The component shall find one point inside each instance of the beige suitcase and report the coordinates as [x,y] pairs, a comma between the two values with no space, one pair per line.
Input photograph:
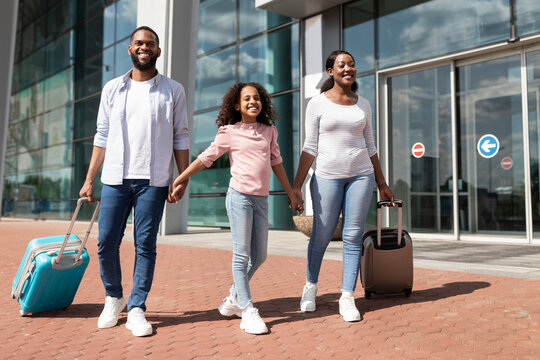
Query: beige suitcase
[387,258]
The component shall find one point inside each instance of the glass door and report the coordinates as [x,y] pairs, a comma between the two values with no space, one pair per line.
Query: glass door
[490,147]
[420,148]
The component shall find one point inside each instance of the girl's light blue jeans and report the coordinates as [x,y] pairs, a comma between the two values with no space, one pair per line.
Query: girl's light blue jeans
[330,197]
[248,218]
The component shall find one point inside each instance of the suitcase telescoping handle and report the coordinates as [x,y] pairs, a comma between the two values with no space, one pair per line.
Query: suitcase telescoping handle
[73,218]
[382,203]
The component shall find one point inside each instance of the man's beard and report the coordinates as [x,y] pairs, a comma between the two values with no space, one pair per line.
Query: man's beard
[140,66]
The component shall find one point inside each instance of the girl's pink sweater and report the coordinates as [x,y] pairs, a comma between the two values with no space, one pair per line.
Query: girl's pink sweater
[253,150]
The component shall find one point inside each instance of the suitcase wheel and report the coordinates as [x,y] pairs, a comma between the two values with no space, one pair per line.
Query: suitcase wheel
[367,294]
[23,313]
[12,295]
[408,292]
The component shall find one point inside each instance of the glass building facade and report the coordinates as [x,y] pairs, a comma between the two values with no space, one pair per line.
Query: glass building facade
[440,73]
[65,52]
[239,43]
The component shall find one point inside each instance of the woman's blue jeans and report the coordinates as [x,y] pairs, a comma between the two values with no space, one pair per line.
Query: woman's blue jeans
[330,197]
[248,218]
[116,204]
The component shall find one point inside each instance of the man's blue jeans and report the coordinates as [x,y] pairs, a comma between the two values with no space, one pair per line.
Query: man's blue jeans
[330,197]
[248,217]
[116,204]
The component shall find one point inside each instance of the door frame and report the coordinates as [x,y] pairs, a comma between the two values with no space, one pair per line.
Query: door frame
[455,61]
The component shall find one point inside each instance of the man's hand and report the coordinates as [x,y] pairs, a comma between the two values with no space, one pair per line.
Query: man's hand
[177,191]
[87,191]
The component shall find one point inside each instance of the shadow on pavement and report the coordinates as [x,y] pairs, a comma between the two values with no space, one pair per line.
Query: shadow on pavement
[284,309]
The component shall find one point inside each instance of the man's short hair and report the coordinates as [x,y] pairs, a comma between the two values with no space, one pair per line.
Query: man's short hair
[147,29]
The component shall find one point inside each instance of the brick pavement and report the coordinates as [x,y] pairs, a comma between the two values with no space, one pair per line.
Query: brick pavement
[450,315]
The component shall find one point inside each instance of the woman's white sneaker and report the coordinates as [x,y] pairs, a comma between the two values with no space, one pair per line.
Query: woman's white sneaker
[347,308]
[252,322]
[307,303]
[229,307]
[136,322]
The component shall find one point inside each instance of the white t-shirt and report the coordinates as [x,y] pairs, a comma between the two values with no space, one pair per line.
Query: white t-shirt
[340,137]
[137,142]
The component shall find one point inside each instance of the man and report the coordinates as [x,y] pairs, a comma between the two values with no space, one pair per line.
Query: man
[141,123]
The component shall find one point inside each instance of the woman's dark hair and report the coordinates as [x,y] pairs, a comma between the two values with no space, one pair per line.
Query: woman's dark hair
[228,114]
[329,83]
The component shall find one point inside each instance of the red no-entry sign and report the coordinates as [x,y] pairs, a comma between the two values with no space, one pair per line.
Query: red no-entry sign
[507,163]
[418,150]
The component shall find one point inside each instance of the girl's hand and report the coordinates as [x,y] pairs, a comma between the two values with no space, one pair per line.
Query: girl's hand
[295,204]
[178,191]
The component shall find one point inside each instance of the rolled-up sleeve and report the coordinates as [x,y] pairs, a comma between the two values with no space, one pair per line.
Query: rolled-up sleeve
[102,130]
[220,145]
[275,156]
[311,143]
[180,123]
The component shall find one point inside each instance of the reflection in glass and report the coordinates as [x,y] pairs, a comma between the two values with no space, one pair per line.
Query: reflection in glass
[123,61]
[254,20]
[215,74]
[214,180]
[29,134]
[207,211]
[59,89]
[57,126]
[366,89]
[420,112]
[489,102]
[358,23]
[89,37]
[271,60]
[288,108]
[85,117]
[88,77]
[109,14]
[126,18]
[437,27]
[533,91]
[60,18]
[217,24]
[107,65]
[60,53]
[527,17]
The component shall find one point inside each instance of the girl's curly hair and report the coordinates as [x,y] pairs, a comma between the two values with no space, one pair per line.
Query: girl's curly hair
[228,114]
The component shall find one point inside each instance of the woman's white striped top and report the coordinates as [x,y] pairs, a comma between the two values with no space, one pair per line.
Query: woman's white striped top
[340,137]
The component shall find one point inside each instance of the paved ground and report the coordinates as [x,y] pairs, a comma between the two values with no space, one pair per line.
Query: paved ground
[464,314]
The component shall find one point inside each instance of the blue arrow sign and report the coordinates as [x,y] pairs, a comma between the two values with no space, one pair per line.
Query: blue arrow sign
[488,146]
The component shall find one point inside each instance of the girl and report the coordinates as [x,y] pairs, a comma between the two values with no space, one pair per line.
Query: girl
[338,134]
[247,132]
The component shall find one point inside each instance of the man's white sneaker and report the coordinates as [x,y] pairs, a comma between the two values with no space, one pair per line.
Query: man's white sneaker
[229,307]
[252,322]
[308,298]
[347,308]
[109,316]
[136,322]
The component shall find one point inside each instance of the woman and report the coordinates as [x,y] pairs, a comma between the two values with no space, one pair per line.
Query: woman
[339,136]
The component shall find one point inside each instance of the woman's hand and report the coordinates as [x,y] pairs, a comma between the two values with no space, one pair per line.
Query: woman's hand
[386,193]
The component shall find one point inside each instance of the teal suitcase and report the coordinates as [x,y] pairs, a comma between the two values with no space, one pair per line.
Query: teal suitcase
[52,269]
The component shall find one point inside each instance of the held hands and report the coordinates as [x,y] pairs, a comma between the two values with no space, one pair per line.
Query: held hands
[296,203]
[177,191]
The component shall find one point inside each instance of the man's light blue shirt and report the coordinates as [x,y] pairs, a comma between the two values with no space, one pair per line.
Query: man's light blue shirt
[168,130]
